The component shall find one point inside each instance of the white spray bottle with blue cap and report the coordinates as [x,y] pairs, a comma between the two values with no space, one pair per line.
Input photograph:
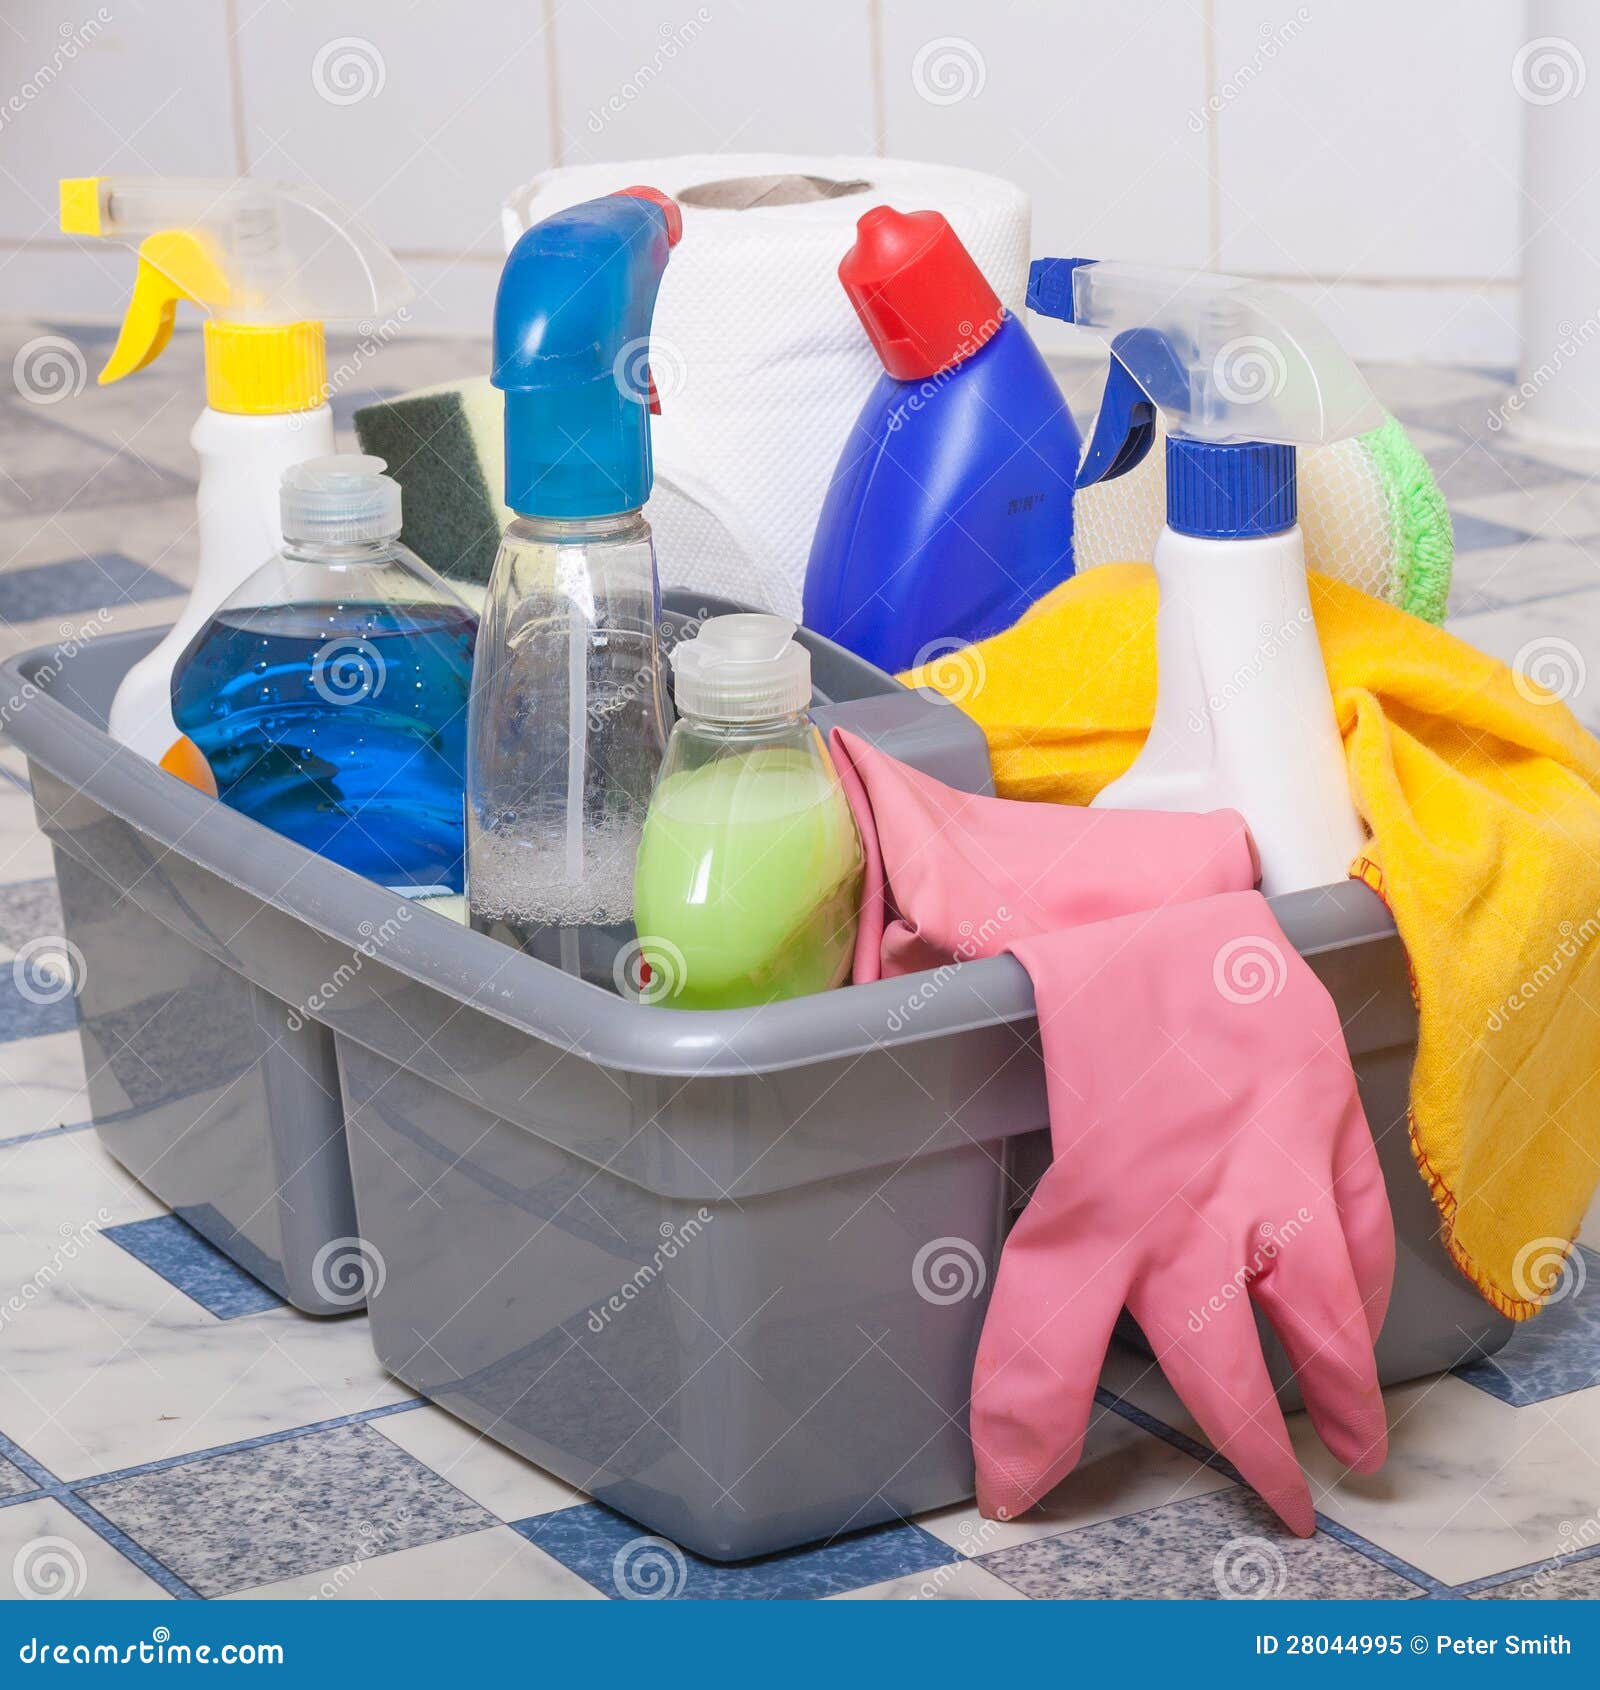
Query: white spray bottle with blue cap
[568,721]
[1243,374]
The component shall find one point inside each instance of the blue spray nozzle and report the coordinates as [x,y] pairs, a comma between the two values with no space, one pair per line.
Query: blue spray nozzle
[572,354]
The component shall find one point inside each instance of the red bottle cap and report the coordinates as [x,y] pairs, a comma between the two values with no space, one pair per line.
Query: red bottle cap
[669,205]
[923,302]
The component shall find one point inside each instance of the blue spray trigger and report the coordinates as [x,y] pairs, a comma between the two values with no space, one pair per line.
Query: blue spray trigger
[1126,426]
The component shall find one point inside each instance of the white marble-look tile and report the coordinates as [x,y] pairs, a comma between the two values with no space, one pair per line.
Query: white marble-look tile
[1418,386]
[1557,640]
[24,851]
[492,1476]
[52,1555]
[960,1581]
[1569,511]
[108,1366]
[1124,1470]
[41,1084]
[495,1565]
[1533,569]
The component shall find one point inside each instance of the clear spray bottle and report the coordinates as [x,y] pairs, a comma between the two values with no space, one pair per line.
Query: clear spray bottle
[1243,375]
[569,713]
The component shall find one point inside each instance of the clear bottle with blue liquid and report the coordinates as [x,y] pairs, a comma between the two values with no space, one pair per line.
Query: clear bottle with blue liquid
[329,693]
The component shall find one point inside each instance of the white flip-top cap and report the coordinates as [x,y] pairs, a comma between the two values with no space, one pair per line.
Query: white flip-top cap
[742,668]
[338,500]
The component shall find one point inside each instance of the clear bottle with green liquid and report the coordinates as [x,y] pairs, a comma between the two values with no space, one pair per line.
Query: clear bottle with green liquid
[749,868]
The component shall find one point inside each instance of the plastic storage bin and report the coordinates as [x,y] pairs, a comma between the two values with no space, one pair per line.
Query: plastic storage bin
[723,1270]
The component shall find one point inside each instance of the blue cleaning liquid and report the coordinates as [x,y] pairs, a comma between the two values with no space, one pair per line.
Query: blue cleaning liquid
[343,727]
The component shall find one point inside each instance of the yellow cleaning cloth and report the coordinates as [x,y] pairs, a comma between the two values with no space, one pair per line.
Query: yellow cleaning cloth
[1482,795]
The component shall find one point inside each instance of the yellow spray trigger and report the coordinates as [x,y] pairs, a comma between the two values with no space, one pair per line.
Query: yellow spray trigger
[174,264]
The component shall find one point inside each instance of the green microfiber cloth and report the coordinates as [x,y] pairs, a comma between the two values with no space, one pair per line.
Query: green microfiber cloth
[445,445]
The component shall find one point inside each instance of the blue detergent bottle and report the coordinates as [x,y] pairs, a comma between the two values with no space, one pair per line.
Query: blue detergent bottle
[950,511]
[329,692]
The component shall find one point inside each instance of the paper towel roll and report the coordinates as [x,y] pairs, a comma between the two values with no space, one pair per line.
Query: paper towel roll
[759,358]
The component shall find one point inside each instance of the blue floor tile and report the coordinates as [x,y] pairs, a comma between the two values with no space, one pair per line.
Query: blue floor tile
[1477,534]
[624,1560]
[79,583]
[184,1259]
[1554,1353]
[33,1013]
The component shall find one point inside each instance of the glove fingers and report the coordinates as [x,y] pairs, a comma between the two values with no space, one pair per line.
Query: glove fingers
[1222,1378]
[1056,1298]
[1363,1200]
[1310,1296]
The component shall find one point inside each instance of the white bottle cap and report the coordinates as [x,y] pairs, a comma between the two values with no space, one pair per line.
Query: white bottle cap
[340,500]
[742,668]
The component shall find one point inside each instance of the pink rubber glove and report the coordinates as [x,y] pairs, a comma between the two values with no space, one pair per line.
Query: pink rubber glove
[1211,1155]
[971,876]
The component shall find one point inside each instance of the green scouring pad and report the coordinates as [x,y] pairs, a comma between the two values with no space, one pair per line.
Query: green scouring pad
[445,445]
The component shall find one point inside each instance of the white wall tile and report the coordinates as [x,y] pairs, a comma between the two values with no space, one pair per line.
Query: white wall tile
[1371,139]
[1087,105]
[423,117]
[643,78]
[144,93]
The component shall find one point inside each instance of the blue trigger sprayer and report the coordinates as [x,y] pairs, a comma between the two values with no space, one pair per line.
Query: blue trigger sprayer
[1243,375]
[568,721]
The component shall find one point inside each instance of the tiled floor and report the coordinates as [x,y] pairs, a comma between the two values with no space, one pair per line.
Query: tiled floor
[168,1426]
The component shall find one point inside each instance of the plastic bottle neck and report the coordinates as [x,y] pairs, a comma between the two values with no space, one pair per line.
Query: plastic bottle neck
[578,530]
[764,728]
[340,552]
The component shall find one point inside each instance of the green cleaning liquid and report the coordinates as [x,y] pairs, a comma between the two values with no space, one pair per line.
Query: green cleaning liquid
[749,873]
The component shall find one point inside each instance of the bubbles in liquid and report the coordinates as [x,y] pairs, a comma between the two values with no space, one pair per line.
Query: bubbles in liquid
[518,875]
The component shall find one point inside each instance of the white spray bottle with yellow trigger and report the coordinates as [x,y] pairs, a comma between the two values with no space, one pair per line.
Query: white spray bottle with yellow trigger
[269,263]
[1243,374]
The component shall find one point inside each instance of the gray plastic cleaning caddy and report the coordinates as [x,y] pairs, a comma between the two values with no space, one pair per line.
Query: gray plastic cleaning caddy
[723,1270]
